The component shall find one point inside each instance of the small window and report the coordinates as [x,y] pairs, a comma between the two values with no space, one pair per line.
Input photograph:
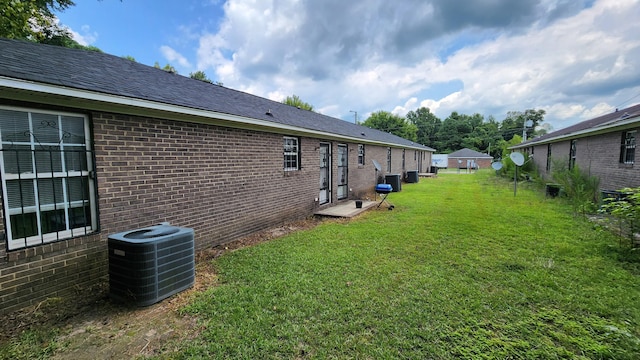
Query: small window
[47,184]
[628,147]
[360,154]
[403,159]
[388,159]
[291,154]
[548,157]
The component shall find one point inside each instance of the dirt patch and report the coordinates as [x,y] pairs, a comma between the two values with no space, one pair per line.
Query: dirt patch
[91,326]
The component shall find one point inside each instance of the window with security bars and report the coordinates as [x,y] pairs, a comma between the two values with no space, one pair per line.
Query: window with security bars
[343,172]
[47,184]
[388,159]
[628,147]
[572,154]
[291,153]
[548,167]
[360,154]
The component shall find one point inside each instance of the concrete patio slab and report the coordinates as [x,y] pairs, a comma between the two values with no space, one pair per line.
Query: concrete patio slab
[346,209]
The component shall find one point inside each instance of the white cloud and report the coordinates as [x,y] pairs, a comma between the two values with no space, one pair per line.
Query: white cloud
[174,57]
[86,37]
[83,37]
[597,110]
[571,60]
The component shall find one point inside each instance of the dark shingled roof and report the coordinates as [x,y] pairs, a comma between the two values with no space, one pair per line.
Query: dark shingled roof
[108,74]
[468,153]
[593,124]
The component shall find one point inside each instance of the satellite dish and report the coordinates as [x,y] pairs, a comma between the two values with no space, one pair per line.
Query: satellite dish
[496,165]
[517,158]
[376,165]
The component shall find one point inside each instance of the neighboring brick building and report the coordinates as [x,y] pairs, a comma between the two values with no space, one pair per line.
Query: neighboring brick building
[468,159]
[93,144]
[603,146]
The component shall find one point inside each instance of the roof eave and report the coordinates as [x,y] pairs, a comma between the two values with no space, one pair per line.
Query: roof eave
[619,125]
[29,91]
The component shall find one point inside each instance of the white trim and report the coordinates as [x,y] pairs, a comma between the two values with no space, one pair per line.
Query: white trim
[99,101]
[40,238]
[288,154]
[35,240]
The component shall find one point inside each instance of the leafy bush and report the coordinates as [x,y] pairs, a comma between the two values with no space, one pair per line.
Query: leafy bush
[582,190]
[626,209]
[525,172]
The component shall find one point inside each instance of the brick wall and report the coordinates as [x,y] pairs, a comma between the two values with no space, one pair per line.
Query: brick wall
[597,155]
[600,156]
[224,183]
[483,163]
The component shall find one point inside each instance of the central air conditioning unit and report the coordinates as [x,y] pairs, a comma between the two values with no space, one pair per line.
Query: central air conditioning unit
[150,264]
[395,180]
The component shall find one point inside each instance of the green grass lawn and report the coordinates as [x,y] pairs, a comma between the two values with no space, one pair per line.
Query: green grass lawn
[461,268]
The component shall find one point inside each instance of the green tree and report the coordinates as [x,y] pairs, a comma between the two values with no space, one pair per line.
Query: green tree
[388,122]
[168,68]
[485,136]
[34,20]
[30,19]
[514,123]
[294,100]
[200,75]
[455,132]
[427,125]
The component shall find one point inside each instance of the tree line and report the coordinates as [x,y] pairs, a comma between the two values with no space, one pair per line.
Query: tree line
[459,131]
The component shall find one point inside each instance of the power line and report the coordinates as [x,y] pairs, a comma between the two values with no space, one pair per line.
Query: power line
[626,101]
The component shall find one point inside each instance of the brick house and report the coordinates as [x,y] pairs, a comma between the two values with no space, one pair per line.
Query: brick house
[603,146]
[93,144]
[468,159]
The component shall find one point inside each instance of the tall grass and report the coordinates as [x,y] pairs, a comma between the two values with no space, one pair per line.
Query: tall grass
[460,268]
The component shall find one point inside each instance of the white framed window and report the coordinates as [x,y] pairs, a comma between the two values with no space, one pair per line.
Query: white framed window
[291,153]
[47,171]
[360,154]
[628,147]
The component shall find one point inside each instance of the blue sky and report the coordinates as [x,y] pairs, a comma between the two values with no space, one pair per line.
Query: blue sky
[576,59]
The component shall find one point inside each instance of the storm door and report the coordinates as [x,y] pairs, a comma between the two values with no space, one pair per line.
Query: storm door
[343,172]
[325,174]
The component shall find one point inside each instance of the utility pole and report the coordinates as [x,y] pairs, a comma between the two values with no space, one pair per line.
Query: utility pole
[527,124]
[355,116]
